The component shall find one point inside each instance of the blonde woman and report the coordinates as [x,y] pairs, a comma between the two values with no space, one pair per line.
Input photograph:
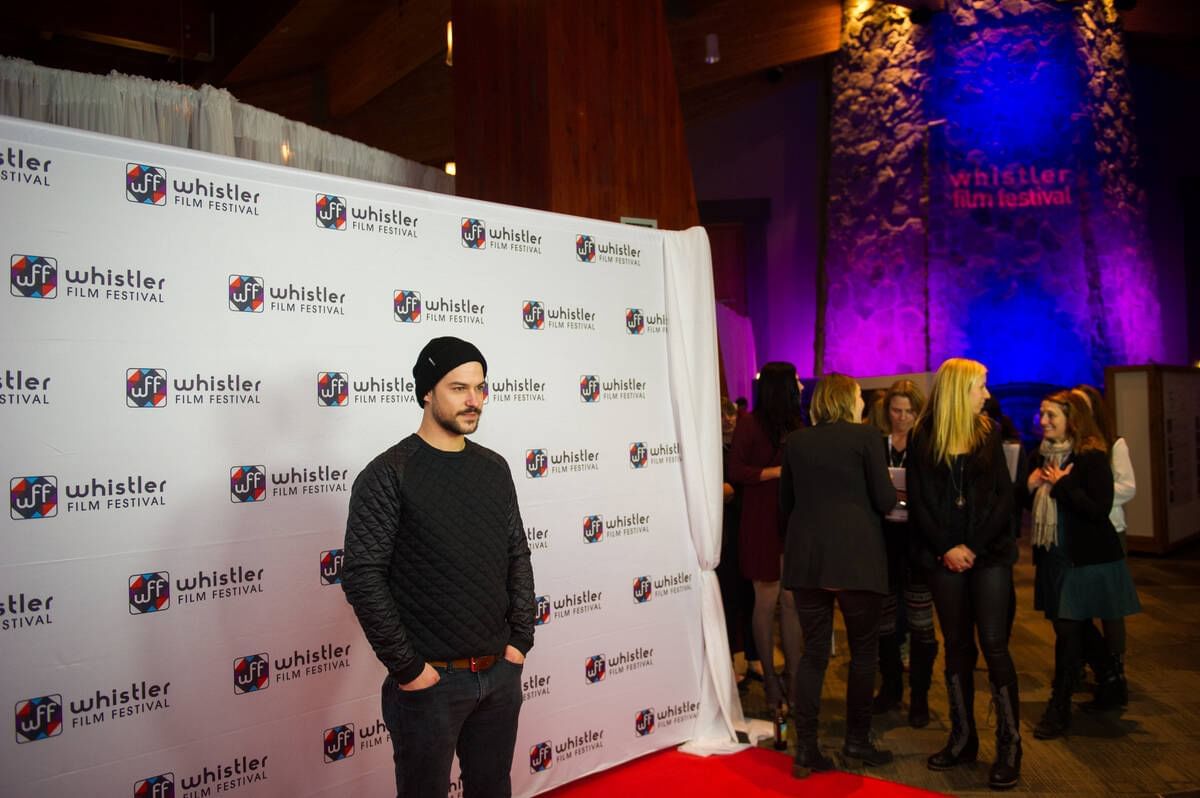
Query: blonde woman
[960,500]
[833,492]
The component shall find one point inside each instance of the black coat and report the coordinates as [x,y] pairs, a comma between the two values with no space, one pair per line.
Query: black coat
[833,493]
[1085,498]
[990,502]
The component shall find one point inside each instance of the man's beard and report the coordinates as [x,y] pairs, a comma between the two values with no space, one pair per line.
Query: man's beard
[456,424]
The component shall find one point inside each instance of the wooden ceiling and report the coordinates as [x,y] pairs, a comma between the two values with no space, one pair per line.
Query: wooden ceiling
[375,71]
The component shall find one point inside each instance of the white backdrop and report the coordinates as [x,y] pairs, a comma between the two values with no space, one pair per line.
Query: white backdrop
[200,354]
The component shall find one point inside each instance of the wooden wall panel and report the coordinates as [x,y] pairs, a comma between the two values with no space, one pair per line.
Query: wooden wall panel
[570,107]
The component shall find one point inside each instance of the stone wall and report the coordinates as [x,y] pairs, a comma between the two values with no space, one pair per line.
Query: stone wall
[982,194]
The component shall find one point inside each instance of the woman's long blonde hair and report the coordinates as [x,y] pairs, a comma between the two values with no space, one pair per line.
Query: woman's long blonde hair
[948,419]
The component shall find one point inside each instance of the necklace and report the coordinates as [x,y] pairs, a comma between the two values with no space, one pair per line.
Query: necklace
[960,483]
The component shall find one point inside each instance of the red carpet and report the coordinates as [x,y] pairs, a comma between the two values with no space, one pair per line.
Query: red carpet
[754,772]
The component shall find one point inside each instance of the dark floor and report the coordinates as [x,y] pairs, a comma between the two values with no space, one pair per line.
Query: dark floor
[1152,748]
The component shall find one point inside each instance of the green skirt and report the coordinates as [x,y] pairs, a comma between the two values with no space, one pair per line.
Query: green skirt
[1066,591]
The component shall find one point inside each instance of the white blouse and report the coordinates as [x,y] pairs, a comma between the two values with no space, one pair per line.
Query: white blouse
[1124,486]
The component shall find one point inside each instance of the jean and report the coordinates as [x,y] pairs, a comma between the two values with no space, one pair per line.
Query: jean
[860,610]
[976,599]
[471,714]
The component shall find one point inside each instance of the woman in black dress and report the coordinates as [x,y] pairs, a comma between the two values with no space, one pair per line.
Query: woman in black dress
[960,500]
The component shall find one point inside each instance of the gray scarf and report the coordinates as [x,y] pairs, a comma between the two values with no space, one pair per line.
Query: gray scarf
[1045,509]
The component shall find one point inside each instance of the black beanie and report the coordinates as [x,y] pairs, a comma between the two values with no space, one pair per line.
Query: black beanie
[439,357]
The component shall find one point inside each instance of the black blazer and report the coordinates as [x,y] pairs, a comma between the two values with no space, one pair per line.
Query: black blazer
[1085,498]
[833,493]
[990,502]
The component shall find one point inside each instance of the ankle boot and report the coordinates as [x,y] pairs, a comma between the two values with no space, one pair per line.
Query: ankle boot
[920,672]
[809,759]
[1006,770]
[1056,721]
[1112,690]
[891,689]
[865,751]
[963,745]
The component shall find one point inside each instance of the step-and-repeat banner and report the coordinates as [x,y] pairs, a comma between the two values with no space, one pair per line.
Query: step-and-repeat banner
[199,355]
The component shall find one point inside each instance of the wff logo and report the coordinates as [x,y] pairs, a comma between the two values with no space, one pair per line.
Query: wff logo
[639,454]
[339,743]
[160,786]
[543,611]
[149,592]
[247,483]
[536,463]
[474,233]
[333,389]
[246,293]
[642,589]
[533,314]
[146,387]
[145,185]
[635,321]
[39,718]
[33,497]
[541,757]
[594,669]
[406,306]
[331,212]
[593,528]
[331,566]
[589,388]
[34,277]
[251,674]
[643,724]
[585,248]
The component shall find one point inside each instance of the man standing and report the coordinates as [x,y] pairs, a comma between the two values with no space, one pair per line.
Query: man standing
[437,569]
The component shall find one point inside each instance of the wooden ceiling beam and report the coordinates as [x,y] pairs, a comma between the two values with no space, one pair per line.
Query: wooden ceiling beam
[403,37]
[752,37]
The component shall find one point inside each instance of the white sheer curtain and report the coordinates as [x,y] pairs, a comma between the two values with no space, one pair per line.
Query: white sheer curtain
[736,335]
[208,119]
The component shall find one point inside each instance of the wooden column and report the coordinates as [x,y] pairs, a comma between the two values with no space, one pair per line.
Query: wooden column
[570,107]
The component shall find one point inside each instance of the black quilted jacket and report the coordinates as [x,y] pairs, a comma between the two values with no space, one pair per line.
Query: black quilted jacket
[436,561]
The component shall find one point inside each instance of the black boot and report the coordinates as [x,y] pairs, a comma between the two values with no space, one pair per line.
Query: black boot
[891,689]
[1007,768]
[1112,691]
[1056,720]
[862,749]
[920,673]
[809,759]
[963,746]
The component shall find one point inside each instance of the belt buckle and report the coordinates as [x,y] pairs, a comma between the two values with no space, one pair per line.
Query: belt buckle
[476,664]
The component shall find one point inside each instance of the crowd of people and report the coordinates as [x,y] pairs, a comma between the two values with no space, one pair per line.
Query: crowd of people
[907,507]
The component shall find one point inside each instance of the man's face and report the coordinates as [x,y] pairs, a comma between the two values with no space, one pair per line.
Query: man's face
[456,402]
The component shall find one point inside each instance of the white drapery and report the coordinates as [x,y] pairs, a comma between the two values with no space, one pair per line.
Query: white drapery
[692,359]
[207,119]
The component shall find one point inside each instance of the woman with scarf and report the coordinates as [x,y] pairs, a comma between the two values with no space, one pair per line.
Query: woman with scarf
[1081,571]
[960,501]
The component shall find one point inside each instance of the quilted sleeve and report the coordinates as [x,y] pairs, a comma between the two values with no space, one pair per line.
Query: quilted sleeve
[371,530]
[521,607]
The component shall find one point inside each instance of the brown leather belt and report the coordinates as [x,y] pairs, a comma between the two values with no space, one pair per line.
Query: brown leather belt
[473,664]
